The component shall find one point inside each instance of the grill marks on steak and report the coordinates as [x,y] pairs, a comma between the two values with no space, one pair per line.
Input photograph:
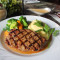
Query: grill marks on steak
[25,40]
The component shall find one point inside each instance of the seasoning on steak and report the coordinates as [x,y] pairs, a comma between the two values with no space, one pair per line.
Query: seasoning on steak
[25,40]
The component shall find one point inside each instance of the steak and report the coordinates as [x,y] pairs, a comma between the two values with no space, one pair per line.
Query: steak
[25,40]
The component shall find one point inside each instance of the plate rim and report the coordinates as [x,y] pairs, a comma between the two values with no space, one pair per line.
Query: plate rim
[30,15]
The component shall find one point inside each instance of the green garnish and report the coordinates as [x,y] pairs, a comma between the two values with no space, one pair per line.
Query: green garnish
[4,29]
[21,17]
[12,24]
[7,28]
[56,32]
[25,27]
[9,21]
[48,45]
[38,23]
[25,18]
[51,30]
[46,28]
[39,30]
[23,21]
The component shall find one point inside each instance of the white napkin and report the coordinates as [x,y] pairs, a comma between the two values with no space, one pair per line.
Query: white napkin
[55,17]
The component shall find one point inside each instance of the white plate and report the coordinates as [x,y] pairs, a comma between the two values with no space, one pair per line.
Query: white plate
[52,53]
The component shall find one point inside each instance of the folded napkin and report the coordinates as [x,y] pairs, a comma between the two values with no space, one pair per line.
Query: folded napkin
[56,16]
